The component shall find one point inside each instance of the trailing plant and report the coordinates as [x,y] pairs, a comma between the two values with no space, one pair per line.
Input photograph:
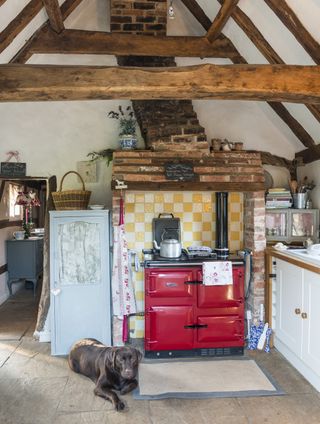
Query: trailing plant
[106,154]
[127,121]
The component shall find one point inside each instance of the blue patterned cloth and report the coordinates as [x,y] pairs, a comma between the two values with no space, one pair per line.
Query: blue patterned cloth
[255,333]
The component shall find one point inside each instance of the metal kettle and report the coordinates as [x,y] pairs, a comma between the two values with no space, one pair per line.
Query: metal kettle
[169,248]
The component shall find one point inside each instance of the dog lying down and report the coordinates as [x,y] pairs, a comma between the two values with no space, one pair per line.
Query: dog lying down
[110,368]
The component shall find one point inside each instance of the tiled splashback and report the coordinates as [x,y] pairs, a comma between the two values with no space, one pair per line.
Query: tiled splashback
[196,211]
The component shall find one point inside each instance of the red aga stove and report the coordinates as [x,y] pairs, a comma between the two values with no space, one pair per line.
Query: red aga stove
[183,317]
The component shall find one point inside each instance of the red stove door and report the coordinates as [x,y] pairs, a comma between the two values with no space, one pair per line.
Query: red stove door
[217,331]
[169,283]
[222,296]
[167,328]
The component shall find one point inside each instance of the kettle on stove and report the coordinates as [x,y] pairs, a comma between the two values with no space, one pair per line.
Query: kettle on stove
[169,248]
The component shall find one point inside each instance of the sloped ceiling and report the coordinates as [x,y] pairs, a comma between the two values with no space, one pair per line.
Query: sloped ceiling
[246,116]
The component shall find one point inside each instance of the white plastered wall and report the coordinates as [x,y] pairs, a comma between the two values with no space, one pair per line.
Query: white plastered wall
[53,136]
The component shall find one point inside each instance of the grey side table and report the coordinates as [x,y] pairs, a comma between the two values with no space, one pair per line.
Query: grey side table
[25,261]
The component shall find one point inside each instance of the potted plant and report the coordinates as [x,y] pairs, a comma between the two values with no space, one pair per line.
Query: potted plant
[127,127]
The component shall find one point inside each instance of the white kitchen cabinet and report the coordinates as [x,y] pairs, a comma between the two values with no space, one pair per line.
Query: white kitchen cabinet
[79,278]
[297,319]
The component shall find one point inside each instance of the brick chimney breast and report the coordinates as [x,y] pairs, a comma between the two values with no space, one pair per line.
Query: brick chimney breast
[164,124]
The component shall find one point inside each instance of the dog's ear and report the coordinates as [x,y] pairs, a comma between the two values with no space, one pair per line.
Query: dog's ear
[111,357]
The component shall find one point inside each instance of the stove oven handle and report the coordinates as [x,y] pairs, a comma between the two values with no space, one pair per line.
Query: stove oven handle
[194,326]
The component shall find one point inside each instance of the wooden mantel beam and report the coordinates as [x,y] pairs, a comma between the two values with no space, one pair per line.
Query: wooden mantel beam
[221,19]
[95,42]
[54,14]
[234,82]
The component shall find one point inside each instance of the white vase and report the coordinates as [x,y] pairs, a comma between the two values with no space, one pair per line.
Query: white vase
[128,142]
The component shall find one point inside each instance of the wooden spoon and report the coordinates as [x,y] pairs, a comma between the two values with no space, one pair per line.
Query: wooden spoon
[294,186]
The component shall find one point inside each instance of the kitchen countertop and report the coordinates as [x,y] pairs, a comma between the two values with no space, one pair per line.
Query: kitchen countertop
[298,257]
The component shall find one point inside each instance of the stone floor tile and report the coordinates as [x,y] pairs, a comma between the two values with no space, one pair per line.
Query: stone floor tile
[6,349]
[30,401]
[91,417]
[78,396]
[32,358]
[293,409]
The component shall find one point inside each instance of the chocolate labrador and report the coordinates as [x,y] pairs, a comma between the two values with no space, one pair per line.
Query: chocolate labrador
[110,368]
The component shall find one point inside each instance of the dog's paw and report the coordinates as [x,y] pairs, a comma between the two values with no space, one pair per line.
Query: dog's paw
[120,406]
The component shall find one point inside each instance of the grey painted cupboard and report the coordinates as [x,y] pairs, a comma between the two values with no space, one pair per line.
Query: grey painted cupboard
[79,278]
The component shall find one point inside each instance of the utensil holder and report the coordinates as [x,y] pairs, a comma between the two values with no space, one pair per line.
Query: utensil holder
[300,200]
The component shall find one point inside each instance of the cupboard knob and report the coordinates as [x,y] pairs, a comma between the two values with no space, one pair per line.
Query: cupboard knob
[297,311]
[304,315]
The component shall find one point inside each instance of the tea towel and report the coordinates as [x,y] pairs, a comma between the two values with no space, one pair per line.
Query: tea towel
[217,273]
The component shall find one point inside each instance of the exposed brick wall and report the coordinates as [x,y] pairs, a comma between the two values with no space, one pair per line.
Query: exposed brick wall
[166,124]
[148,17]
[254,239]
[170,124]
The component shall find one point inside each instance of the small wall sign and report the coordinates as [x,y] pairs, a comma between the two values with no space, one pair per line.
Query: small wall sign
[13,169]
[179,171]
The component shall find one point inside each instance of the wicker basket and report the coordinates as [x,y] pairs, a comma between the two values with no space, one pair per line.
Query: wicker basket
[71,199]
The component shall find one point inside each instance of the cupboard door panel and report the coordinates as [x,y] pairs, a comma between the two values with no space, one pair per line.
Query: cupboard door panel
[165,328]
[219,329]
[222,296]
[311,340]
[170,283]
[289,305]
[79,278]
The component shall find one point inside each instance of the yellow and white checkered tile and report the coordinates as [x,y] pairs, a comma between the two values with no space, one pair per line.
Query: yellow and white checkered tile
[196,211]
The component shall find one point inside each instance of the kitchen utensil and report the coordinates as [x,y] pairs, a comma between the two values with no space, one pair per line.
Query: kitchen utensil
[169,248]
[293,186]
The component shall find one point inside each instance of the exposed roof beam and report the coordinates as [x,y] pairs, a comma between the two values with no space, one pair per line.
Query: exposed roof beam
[294,125]
[291,21]
[234,82]
[54,14]
[270,159]
[271,55]
[203,19]
[221,19]
[24,54]
[2,1]
[194,9]
[94,42]
[19,23]
[198,13]
[309,155]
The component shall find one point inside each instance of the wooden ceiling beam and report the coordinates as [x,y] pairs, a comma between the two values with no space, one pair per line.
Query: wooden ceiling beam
[297,129]
[309,155]
[248,27]
[2,1]
[54,14]
[294,25]
[202,18]
[221,19]
[198,13]
[94,42]
[24,53]
[9,33]
[282,112]
[234,82]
